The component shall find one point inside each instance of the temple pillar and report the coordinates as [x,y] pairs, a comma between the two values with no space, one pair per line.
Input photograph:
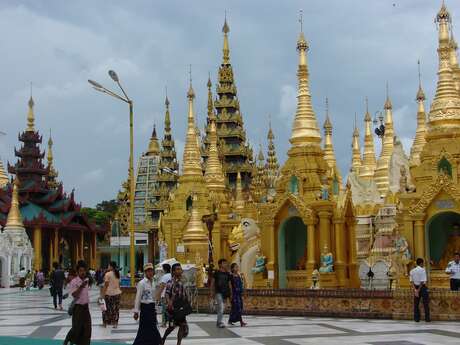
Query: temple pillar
[339,264]
[311,248]
[324,230]
[51,253]
[56,245]
[408,233]
[37,236]
[92,251]
[419,237]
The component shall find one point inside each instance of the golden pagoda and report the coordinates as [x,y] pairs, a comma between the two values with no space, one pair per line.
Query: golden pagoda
[304,218]
[236,152]
[356,161]
[429,214]
[383,163]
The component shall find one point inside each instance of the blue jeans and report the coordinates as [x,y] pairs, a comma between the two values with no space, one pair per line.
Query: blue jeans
[220,308]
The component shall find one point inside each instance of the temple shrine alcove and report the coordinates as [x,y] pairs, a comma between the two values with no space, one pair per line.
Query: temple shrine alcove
[292,245]
[443,231]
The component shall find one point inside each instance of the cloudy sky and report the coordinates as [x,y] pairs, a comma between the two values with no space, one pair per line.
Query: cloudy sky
[356,46]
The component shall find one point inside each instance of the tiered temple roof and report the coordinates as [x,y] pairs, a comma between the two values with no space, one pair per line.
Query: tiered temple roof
[237,154]
[40,203]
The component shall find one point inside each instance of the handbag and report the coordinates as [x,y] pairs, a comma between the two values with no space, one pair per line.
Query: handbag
[71,307]
[102,304]
[181,308]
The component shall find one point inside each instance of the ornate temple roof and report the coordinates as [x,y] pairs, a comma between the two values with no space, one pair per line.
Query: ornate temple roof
[40,202]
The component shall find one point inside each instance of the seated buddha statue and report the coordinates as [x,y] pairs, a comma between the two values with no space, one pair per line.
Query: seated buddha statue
[327,261]
[260,263]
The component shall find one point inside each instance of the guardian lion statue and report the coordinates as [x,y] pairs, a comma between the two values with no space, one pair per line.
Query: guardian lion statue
[244,243]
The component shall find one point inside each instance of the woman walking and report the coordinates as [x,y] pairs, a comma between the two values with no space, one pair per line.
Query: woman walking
[144,305]
[80,333]
[178,305]
[40,279]
[111,293]
[236,312]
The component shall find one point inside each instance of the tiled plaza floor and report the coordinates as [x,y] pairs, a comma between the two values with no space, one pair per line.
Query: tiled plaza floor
[27,318]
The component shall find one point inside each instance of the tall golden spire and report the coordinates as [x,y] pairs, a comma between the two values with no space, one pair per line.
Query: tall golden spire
[31,116]
[445,108]
[52,174]
[419,140]
[192,156]
[356,161]
[211,114]
[226,48]
[3,175]
[272,166]
[214,175]
[329,154]
[154,146]
[453,59]
[369,162]
[14,219]
[305,128]
[382,170]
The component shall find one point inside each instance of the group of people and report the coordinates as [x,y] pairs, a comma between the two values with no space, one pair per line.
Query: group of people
[28,279]
[170,294]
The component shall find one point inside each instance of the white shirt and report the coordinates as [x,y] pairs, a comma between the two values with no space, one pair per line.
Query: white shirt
[453,269]
[418,275]
[145,294]
[22,273]
[164,280]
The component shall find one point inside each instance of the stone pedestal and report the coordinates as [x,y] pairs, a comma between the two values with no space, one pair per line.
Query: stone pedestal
[328,280]
[259,281]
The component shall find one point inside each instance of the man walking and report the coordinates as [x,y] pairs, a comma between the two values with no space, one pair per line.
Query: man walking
[220,287]
[418,280]
[57,279]
[453,269]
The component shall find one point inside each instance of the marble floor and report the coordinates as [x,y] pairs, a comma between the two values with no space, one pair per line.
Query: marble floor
[30,315]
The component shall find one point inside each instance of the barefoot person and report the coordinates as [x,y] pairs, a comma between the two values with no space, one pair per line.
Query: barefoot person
[236,312]
[162,290]
[80,333]
[144,305]
[453,269]
[178,305]
[111,293]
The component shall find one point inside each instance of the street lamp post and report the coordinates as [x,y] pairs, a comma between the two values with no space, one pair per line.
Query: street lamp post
[126,99]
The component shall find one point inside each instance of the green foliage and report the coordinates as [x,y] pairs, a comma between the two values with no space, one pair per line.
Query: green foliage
[103,213]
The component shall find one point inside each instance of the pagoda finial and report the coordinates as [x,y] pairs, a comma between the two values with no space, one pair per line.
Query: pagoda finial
[301,20]
[190,93]
[210,102]
[14,219]
[369,162]
[192,155]
[166,97]
[214,175]
[444,112]
[420,93]
[226,48]
[305,128]
[327,122]
[356,150]
[50,150]
[329,154]
[419,140]
[388,104]
[30,114]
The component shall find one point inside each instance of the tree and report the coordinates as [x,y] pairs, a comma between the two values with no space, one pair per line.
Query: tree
[103,213]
